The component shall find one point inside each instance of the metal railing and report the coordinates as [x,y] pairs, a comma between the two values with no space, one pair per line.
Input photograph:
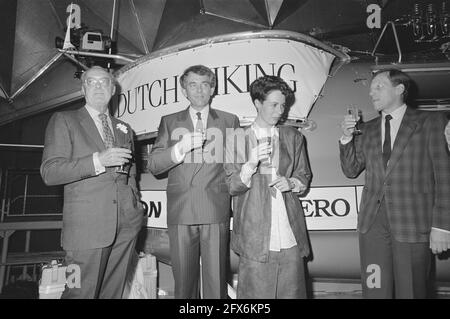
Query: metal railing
[23,197]
[26,205]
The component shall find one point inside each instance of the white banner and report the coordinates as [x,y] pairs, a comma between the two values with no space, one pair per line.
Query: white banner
[331,208]
[325,208]
[151,89]
[156,205]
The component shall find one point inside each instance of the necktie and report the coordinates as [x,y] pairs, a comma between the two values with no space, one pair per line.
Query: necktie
[387,140]
[107,134]
[199,125]
[199,128]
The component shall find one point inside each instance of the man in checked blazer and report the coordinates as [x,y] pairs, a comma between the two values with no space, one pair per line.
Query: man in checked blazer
[102,214]
[198,203]
[405,205]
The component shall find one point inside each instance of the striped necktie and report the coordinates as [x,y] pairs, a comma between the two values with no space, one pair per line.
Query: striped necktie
[199,125]
[199,128]
[107,134]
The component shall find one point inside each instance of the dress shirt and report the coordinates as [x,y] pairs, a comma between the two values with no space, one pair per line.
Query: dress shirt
[176,152]
[395,122]
[281,235]
[99,168]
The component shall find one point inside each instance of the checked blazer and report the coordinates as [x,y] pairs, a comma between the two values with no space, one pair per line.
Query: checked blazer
[416,182]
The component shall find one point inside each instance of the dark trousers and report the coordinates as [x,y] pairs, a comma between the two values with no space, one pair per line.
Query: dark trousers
[281,277]
[103,270]
[189,243]
[390,268]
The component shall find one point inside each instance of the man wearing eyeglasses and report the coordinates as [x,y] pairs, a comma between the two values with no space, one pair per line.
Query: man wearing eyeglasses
[102,212]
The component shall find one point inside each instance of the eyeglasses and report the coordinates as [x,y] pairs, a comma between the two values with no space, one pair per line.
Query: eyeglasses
[91,82]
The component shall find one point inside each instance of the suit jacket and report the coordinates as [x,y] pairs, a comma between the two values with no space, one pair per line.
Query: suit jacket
[416,183]
[252,206]
[91,202]
[196,192]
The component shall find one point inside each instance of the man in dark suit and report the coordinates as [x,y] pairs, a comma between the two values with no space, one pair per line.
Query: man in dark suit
[198,203]
[405,205]
[266,168]
[102,213]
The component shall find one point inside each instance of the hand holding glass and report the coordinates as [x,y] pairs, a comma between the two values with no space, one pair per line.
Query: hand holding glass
[121,169]
[203,131]
[355,113]
[268,160]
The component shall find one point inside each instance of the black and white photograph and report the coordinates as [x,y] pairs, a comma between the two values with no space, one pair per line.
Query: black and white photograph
[224,158]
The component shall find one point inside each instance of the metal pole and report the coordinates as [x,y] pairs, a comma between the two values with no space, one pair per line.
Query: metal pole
[112,28]
[101,55]
[25,195]
[67,55]
[38,74]
[22,145]
[138,22]
[5,234]
[27,249]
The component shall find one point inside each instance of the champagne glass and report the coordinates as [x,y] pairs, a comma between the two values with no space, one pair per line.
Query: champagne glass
[203,131]
[268,161]
[355,113]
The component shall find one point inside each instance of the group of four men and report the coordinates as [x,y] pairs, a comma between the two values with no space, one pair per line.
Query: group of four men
[405,205]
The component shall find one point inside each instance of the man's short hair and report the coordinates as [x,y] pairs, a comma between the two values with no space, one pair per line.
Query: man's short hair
[200,70]
[97,67]
[262,86]
[397,77]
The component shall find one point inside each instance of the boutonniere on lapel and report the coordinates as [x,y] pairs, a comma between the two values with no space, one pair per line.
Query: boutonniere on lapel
[122,127]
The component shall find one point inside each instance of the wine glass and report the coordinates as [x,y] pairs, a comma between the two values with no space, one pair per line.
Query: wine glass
[267,161]
[355,113]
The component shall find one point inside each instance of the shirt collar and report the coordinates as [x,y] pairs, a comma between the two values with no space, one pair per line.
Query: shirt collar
[204,111]
[261,132]
[94,113]
[397,113]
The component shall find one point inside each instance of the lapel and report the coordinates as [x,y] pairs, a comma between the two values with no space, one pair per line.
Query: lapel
[407,128]
[376,148]
[213,121]
[183,120]
[91,129]
[119,136]
[284,158]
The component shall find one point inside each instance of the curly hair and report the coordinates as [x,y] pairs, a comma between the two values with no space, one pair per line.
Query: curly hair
[262,86]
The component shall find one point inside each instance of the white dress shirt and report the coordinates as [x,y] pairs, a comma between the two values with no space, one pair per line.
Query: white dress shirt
[99,168]
[179,157]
